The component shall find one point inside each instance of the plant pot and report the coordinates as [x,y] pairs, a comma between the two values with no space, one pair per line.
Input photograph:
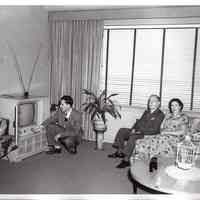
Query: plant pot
[99,128]
[99,125]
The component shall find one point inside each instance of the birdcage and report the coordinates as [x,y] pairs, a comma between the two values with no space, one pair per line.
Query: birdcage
[185,158]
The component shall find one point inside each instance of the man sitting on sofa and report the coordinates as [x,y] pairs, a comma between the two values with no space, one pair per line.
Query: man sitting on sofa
[148,124]
[64,127]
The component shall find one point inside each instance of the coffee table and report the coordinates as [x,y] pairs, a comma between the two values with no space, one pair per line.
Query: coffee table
[159,181]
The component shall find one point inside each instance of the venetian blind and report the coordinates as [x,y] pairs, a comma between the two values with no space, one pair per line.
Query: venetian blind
[147,67]
[120,64]
[178,65]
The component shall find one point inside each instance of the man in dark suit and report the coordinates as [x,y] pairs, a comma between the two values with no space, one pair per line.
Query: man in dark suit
[148,124]
[64,127]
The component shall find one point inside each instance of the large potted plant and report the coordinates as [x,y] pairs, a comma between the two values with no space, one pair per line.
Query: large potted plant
[98,106]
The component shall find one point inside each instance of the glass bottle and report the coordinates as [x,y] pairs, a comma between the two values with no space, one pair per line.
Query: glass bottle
[185,157]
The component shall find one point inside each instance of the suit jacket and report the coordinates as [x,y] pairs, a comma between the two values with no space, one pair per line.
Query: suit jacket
[149,123]
[71,126]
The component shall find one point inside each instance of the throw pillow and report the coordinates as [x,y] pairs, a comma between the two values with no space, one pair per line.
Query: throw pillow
[196,137]
[194,124]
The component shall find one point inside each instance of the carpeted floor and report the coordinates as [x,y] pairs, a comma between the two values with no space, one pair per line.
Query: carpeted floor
[88,172]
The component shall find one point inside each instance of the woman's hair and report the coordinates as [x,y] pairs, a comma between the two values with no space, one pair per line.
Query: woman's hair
[53,107]
[67,99]
[176,100]
[153,95]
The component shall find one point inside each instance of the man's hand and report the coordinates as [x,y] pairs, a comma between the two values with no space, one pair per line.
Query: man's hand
[42,127]
[133,131]
[39,128]
[138,132]
[57,137]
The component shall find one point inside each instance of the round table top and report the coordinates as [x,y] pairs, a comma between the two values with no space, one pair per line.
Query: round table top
[160,180]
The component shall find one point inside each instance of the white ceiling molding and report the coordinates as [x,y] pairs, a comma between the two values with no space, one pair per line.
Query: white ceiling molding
[136,12]
[166,22]
[83,7]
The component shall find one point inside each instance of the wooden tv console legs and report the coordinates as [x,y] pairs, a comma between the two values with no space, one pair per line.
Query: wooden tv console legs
[28,145]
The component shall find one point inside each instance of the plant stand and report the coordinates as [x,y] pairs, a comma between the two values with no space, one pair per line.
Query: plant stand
[99,127]
[99,139]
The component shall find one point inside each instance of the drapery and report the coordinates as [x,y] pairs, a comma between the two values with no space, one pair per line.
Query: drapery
[76,49]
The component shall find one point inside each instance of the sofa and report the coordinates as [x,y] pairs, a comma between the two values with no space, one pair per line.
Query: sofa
[147,150]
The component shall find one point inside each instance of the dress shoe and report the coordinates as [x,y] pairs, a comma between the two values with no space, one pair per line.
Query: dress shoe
[71,150]
[53,150]
[63,143]
[123,164]
[116,155]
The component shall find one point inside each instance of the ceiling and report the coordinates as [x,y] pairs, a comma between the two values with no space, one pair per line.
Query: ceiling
[84,7]
[105,7]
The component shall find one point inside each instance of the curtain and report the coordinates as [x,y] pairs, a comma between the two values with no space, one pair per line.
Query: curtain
[76,49]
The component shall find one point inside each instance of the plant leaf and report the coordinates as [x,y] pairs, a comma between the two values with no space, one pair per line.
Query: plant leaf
[100,105]
[112,95]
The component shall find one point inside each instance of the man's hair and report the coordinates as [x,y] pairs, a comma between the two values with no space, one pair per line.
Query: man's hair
[180,103]
[67,99]
[153,95]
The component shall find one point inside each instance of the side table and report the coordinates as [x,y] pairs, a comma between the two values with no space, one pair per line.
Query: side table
[159,181]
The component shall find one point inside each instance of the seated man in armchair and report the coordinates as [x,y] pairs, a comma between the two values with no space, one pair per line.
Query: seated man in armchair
[148,124]
[64,127]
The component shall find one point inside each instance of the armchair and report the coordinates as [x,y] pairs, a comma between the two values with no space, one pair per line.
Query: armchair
[5,138]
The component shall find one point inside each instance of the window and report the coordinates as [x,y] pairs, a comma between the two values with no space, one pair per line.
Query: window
[148,54]
[196,79]
[138,62]
[178,62]
[119,62]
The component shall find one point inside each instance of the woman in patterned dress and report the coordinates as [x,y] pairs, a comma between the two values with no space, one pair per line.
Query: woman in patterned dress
[173,129]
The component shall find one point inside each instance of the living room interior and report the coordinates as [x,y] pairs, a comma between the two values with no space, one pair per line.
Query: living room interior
[27,62]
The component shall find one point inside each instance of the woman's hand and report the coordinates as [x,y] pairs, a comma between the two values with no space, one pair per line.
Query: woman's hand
[166,132]
[174,133]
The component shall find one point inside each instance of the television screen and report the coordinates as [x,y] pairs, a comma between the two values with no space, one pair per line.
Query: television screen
[26,114]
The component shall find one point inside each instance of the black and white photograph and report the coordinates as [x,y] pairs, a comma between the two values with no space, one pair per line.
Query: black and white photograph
[100,101]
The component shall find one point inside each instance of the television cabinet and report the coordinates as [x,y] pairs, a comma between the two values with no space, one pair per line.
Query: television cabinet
[28,145]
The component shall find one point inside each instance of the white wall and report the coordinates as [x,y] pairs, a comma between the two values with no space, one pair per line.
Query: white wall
[24,28]
[129,116]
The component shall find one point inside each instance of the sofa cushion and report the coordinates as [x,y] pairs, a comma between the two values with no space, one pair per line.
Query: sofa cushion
[194,124]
